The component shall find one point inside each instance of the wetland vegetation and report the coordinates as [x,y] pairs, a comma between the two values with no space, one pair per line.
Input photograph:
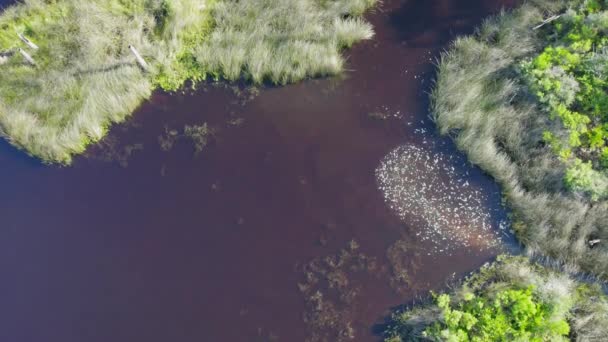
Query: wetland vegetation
[511,299]
[526,99]
[77,73]
[526,106]
[526,102]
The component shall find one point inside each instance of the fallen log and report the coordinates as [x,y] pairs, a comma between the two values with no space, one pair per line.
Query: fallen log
[27,42]
[546,21]
[27,57]
[142,63]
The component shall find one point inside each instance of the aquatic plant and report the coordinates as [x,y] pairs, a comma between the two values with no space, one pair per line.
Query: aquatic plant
[482,99]
[199,135]
[511,299]
[331,293]
[69,69]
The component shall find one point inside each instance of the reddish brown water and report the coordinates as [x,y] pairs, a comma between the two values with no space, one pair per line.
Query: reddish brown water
[174,247]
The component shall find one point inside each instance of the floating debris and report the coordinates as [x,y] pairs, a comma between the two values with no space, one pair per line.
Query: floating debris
[425,190]
[385,113]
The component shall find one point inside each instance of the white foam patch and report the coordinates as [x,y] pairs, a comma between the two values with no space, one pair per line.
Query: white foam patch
[426,191]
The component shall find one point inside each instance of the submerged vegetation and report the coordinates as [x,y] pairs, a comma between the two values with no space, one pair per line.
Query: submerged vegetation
[509,300]
[510,97]
[68,68]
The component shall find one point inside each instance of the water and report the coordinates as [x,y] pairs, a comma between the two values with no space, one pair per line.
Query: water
[135,243]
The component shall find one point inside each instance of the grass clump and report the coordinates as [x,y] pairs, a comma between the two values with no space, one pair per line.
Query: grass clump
[85,76]
[485,99]
[282,41]
[509,300]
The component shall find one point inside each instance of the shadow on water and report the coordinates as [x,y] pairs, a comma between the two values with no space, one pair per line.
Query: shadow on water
[144,240]
[427,23]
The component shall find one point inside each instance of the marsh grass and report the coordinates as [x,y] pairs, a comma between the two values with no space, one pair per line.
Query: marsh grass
[85,77]
[282,41]
[480,100]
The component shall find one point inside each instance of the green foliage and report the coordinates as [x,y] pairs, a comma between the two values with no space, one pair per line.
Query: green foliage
[569,78]
[580,176]
[511,299]
[184,66]
[509,315]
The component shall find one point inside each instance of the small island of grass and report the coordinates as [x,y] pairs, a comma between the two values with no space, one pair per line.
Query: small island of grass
[69,69]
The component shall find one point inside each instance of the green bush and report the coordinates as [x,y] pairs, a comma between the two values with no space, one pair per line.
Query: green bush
[509,315]
[569,80]
[511,299]
[580,176]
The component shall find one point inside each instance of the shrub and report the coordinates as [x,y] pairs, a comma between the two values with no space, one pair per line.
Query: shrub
[508,315]
[568,78]
[581,176]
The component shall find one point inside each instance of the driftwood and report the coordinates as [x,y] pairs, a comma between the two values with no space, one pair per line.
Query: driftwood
[142,63]
[27,57]
[546,21]
[27,42]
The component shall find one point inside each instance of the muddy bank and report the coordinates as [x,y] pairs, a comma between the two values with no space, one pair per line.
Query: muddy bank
[144,240]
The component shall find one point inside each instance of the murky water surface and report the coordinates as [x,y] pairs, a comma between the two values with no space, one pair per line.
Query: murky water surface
[277,230]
